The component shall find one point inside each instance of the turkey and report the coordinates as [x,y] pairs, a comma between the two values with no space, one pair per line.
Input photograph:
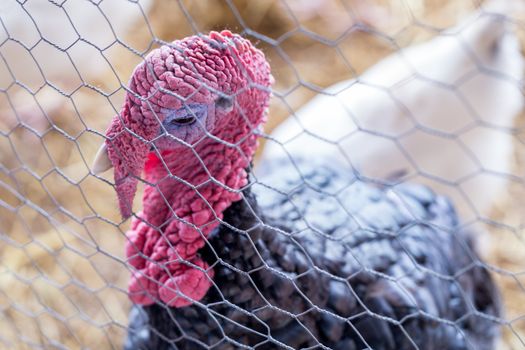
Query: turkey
[439,110]
[308,256]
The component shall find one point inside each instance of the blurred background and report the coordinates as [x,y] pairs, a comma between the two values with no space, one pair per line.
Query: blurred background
[63,68]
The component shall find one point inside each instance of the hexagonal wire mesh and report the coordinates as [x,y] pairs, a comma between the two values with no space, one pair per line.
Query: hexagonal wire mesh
[327,247]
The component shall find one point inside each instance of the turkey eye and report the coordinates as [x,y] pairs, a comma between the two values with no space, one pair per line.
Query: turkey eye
[183,121]
[224,103]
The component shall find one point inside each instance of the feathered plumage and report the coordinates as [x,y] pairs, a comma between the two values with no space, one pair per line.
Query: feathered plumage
[333,262]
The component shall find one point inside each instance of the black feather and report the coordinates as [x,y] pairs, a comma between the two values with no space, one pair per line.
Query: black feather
[329,260]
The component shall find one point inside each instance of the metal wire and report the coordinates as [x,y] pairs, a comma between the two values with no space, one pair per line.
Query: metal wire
[64,69]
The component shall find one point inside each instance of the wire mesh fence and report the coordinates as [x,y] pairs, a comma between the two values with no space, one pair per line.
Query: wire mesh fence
[320,237]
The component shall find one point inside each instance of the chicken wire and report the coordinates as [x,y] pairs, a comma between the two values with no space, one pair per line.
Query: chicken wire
[65,69]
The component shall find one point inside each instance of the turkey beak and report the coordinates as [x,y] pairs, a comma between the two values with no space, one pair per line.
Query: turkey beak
[102,162]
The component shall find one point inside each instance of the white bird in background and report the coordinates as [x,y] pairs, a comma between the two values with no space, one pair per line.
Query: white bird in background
[439,112]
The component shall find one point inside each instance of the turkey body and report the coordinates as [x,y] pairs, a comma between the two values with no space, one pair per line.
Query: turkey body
[319,259]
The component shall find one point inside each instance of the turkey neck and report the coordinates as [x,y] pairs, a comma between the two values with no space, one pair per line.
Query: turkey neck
[195,185]
[193,189]
[187,193]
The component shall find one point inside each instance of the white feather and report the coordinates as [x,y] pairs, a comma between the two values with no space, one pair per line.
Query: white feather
[440,111]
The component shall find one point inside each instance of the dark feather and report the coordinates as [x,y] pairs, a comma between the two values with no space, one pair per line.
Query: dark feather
[328,260]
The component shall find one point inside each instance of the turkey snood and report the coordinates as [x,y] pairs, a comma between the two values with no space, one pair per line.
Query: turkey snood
[188,123]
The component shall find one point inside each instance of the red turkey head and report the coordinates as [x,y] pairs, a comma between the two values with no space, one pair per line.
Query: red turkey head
[182,93]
